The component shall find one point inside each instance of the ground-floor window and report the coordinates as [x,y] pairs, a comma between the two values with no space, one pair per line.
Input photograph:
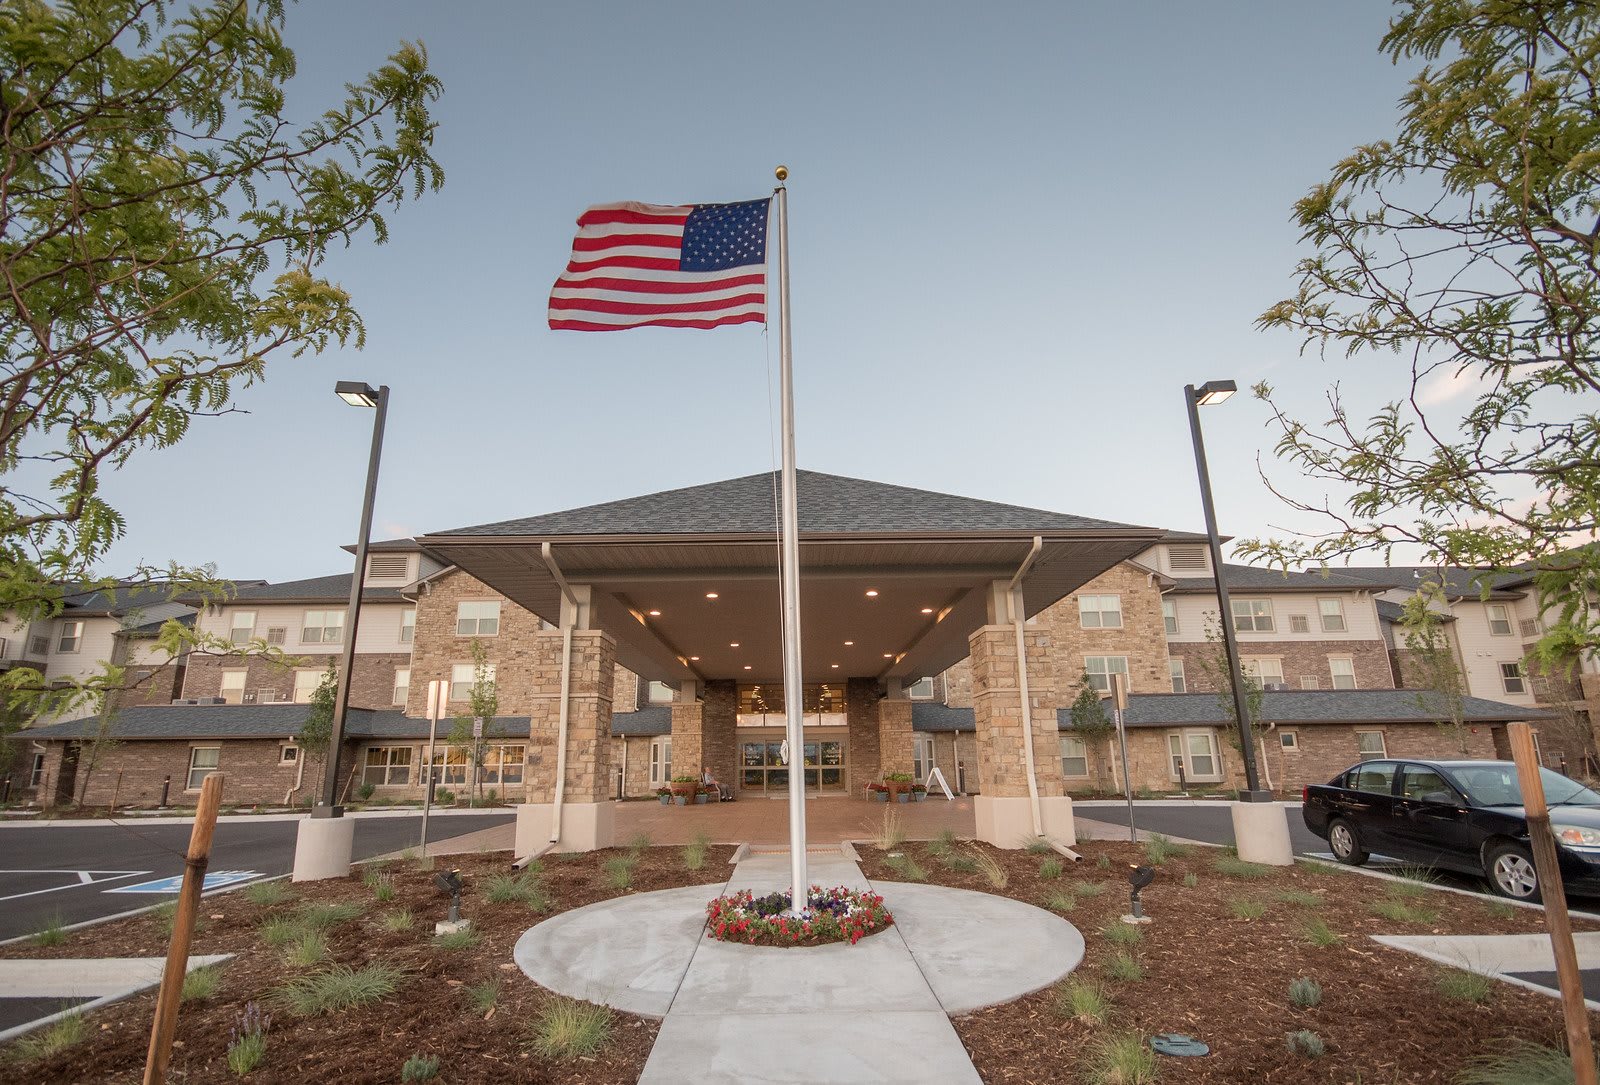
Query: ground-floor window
[1511,678]
[1194,755]
[203,762]
[1370,745]
[503,764]
[450,765]
[761,766]
[922,757]
[1289,740]
[387,766]
[1074,757]
[660,761]
[288,755]
[37,775]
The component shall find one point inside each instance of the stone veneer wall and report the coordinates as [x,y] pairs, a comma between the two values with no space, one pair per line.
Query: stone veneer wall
[1371,661]
[718,727]
[861,714]
[436,647]
[538,685]
[371,686]
[997,711]
[895,748]
[1142,637]
[688,737]
[253,773]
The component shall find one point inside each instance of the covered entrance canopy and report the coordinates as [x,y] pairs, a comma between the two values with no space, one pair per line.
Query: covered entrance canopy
[893,579]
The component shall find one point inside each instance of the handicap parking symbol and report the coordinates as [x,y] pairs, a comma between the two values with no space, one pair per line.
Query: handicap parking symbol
[216,879]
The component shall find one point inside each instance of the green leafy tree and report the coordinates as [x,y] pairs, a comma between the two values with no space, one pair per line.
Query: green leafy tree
[1431,666]
[1214,666]
[1465,249]
[1091,723]
[317,732]
[483,705]
[163,221]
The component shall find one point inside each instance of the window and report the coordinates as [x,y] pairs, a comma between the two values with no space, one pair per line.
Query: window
[39,645]
[1499,620]
[288,755]
[1369,745]
[1252,615]
[1511,678]
[322,627]
[277,634]
[1100,611]
[1420,783]
[450,765]
[387,766]
[920,690]
[1299,623]
[408,625]
[232,688]
[660,761]
[1175,668]
[1289,741]
[1530,627]
[402,685]
[36,775]
[1169,616]
[202,763]
[921,757]
[1331,611]
[305,684]
[1268,672]
[1074,757]
[1344,672]
[1186,558]
[1310,681]
[662,693]
[1100,669]
[1194,755]
[71,637]
[242,627]
[462,677]
[477,618]
[1376,779]
[503,764]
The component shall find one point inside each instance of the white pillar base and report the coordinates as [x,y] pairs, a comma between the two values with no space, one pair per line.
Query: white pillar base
[322,848]
[585,826]
[1261,831]
[1008,822]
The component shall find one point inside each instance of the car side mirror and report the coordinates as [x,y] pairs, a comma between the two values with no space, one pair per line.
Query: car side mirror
[1444,798]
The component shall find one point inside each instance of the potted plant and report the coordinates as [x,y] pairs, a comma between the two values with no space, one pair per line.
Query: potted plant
[700,794]
[898,785]
[918,793]
[665,795]
[877,793]
[683,789]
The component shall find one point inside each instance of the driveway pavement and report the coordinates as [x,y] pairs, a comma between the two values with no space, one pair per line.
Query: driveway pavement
[78,872]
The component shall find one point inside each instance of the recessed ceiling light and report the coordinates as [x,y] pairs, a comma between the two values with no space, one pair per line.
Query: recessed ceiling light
[711,595]
[694,659]
[872,593]
[747,666]
[848,643]
[655,614]
[888,655]
[733,644]
[927,610]
[835,666]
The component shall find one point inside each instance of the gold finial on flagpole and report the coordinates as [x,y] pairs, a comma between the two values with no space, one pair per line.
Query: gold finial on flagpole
[781,173]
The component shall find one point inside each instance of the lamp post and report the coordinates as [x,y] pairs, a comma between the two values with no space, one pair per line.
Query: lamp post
[1194,398]
[323,844]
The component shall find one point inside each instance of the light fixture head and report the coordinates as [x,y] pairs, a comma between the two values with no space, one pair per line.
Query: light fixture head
[888,655]
[711,595]
[733,644]
[747,666]
[849,643]
[357,393]
[655,614]
[835,666]
[1214,392]
[872,593]
[694,659]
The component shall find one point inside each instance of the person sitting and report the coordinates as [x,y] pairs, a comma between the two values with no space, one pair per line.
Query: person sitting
[724,793]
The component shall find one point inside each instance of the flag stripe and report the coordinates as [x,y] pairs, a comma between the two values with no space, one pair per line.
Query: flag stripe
[757,316]
[593,304]
[570,287]
[673,241]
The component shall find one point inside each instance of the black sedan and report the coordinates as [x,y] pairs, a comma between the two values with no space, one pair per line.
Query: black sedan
[1457,815]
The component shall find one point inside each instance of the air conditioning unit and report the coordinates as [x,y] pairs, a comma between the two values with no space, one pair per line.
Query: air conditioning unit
[209,700]
[277,634]
[185,700]
[1275,685]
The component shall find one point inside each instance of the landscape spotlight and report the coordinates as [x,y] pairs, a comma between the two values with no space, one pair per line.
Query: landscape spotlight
[449,881]
[1138,878]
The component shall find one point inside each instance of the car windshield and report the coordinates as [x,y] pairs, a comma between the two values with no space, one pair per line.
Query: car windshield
[1497,785]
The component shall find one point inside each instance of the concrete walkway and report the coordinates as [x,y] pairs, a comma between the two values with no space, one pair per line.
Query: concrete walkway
[48,989]
[875,1012]
[1525,960]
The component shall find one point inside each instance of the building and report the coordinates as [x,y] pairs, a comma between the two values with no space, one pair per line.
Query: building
[665,609]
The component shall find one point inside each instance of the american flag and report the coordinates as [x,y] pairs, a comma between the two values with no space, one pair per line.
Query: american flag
[639,264]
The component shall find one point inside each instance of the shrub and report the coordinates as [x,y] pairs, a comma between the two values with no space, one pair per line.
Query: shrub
[1247,909]
[1398,911]
[906,867]
[1050,868]
[338,988]
[51,1040]
[1190,880]
[266,894]
[1158,849]
[990,868]
[1122,934]
[364,792]
[1234,867]
[485,995]
[247,1042]
[618,871]
[200,984]
[311,948]
[891,832]
[1318,933]
[568,1029]
[694,852]
[443,796]
[1123,967]
[1305,992]
[465,938]
[1122,1058]
[53,933]
[1521,1063]
[400,919]
[1059,900]
[523,888]
[1465,986]
[1083,1001]
[420,1067]
[1038,845]
[1304,1042]
[280,930]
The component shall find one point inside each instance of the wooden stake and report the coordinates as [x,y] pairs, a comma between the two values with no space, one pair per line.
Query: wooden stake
[1559,923]
[194,876]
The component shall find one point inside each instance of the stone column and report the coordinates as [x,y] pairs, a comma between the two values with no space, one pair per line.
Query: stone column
[688,732]
[894,732]
[1004,808]
[719,721]
[861,715]
[587,806]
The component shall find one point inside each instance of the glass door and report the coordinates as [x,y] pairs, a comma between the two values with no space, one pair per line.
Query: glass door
[761,766]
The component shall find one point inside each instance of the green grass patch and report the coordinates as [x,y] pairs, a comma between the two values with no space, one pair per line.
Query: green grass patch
[1318,933]
[1501,909]
[941,845]
[465,938]
[308,950]
[1122,934]
[1300,898]
[1231,866]
[53,933]
[617,872]
[1082,1001]
[200,984]
[1060,900]
[399,919]
[266,894]
[1520,1063]
[1305,992]
[323,916]
[1050,869]
[1123,967]
[1305,1042]
[1190,880]
[1089,889]
[523,888]
[1158,849]
[1399,911]
[483,996]
[280,930]
[905,867]
[1414,880]
[641,840]
[1103,863]
[338,988]
[694,852]
[52,1040]
[960,863]
[1038,845]
[419,1067]
[1247,909]
[1464,986]
[375,873]
[383,892]
[1123,1058]
[568,1029]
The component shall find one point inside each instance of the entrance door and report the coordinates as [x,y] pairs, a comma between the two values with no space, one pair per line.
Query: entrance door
[761,766]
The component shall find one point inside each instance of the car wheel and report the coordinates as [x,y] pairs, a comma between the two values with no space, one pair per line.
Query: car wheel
[1511,873]
[1346,843]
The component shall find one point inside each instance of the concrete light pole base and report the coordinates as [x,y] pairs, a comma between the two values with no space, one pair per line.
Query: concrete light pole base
[1261,831]
[322,848]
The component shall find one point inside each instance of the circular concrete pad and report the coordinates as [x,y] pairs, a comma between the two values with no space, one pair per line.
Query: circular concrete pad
[967,950]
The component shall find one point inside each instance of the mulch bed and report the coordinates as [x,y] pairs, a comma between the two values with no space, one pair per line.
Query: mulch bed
[429,1014]
[1225,979]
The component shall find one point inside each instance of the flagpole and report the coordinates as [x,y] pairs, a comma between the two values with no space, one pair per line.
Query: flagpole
[793,695]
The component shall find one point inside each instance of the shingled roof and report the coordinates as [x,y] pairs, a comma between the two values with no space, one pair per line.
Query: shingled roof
[318,589]
[1255,578]
[829,504]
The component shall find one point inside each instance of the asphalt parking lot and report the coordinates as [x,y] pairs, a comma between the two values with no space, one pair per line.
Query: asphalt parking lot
[78,872]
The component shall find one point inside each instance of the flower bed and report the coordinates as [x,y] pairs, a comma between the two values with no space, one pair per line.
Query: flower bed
[837,914]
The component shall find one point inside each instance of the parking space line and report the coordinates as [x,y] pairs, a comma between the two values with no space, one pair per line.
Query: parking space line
[84,877]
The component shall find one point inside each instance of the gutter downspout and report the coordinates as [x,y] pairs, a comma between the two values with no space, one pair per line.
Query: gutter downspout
[1014,594]
[299,776]
[566,689]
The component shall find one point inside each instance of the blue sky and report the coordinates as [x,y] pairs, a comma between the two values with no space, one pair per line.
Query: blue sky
[1018,230]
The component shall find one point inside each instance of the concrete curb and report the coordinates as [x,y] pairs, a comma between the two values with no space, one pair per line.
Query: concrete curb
[1365,873]
[95,922]
[103,1000]
[101,823]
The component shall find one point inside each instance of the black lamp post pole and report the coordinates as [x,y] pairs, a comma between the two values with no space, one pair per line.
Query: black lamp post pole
[1241,701]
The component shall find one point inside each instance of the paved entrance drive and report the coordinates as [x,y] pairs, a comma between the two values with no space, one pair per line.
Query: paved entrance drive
[878,1011]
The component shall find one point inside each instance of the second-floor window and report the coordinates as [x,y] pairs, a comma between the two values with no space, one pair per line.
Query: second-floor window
[232,688]
[322,627]
[1331,612]
[71,637]
[1175,668]
[477,618]
[1169,615]
[242,627]
[463,675]
[305,684]
[1101,668]
[920,690]
[1267,672]
[1100,611]
[1511,678]
[1344,672]
[1499,620]
[1252,615]
[408,625]
[402,685]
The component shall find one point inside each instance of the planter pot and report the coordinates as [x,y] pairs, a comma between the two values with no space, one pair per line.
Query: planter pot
[666,800]
[699,800]
[919,796]
[681,800]
[902,796]
[880,796]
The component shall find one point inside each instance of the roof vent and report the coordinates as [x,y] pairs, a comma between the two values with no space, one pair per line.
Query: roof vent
[387,566]
[1186,559]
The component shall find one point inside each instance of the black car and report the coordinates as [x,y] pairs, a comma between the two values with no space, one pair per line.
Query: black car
[1457,815]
